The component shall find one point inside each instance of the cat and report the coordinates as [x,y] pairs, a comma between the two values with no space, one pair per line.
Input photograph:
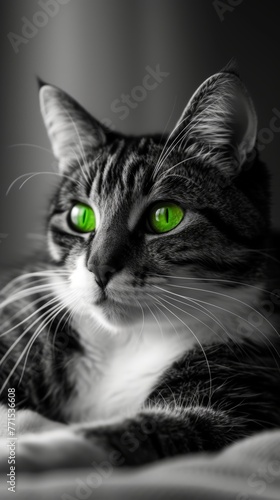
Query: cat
[129,337]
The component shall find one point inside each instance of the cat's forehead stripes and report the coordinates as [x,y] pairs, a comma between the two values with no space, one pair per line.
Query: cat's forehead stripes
[120,172]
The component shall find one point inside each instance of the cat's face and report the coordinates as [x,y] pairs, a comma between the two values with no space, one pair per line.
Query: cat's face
[134,216]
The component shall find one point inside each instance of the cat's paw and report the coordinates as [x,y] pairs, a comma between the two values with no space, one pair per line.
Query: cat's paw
[51,450]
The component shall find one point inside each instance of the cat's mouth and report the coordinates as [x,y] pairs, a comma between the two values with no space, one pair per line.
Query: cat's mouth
[101,298]
[116,313]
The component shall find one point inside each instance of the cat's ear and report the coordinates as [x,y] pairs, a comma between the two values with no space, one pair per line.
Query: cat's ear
[72,131]
[219,122]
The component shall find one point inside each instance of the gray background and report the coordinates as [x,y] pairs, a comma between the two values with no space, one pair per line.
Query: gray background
[98,49]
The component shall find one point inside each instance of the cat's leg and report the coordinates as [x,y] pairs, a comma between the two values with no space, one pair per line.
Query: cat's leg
[155,434]
[150,436]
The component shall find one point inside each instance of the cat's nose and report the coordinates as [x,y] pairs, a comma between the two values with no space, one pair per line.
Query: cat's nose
[102,274]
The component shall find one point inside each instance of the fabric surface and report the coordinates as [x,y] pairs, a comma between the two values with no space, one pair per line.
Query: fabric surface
[247,470]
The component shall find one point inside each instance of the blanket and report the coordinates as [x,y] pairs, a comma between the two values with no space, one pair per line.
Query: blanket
[246,470]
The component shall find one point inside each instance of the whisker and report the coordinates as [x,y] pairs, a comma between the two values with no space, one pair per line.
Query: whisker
[243,319]
[179,137]
[43,274]
[202,309]
[171,147]
[46,273]
[80,165]
[50,318]
[49,312]
[28,292]
[170,322]
[70,313]
[226,296]
[209,314]
[167,174]
[30,304]
[143,318]
[255,250]
[26,330]
[39,281]
[158,323]
[33,174]
[36,146]
[236,315]
[219,280]
[195,337]
[189,314]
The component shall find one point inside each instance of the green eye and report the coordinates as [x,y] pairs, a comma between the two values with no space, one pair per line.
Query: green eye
[82,218]
[165,216]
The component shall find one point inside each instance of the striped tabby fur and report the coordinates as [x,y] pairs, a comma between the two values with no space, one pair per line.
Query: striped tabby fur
[164,359]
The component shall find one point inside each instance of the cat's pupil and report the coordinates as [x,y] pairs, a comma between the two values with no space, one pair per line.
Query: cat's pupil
[165,217]
[82,218]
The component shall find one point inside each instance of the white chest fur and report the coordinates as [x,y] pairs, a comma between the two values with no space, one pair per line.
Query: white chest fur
[117,373]
[119,370]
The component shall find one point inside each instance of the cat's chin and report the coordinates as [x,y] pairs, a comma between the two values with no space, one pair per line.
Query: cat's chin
[114,316]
